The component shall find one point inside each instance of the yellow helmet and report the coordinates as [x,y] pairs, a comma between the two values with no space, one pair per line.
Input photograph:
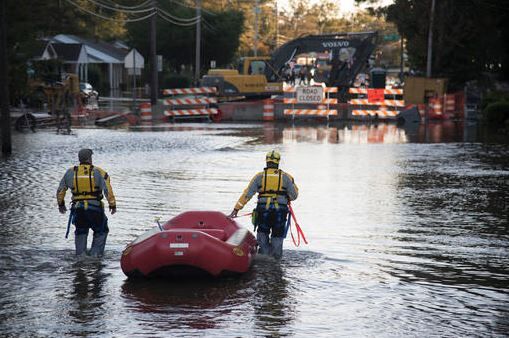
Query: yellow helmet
[273,156]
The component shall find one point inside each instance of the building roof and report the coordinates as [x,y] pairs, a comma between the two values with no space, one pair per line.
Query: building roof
[68,52]
[97,51]
[41,50]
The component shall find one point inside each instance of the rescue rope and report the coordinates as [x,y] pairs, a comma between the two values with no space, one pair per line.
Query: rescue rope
[243,215]
[300,233]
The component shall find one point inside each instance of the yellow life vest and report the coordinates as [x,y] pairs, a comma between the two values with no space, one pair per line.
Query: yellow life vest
[84,187]
[272,185]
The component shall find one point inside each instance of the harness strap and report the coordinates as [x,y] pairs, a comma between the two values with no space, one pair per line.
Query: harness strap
[72,213]
[91,169]
[86,206]
[76,180]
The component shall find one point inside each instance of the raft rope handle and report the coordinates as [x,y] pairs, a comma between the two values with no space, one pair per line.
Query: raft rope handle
[157,219]
[300,233]
[243,215]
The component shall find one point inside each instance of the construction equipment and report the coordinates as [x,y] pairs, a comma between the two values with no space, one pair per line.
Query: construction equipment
[249,80]
[348,55]
[60,97]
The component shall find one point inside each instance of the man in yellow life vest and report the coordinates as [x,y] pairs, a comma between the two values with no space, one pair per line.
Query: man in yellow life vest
[88,183]
[275,189]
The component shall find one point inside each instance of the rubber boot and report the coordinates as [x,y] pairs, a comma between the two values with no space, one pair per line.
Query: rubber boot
[263,243]
[80,241]
[276,247]
[98,244]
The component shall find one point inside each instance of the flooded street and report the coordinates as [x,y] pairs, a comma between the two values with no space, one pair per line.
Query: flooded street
[407,229]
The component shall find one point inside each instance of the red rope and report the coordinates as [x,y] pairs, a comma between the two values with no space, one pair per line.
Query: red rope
[300,233]
[243,215]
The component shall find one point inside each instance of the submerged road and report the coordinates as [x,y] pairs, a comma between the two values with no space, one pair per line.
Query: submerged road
[408,234]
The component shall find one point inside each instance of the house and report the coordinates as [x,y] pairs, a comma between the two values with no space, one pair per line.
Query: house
[74,58]
[109,58]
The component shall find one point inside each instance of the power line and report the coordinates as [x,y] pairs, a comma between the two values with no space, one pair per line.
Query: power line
[166,16]
[126,11]
[144,4]
[110,18]
[187,24]
[209,26]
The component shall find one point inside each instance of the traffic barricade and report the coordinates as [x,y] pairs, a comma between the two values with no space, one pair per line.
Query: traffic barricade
[268,110]
[375,102]
[313,101]
[191,106]
[454,105]
[146,113]
[190,91]
[435,108]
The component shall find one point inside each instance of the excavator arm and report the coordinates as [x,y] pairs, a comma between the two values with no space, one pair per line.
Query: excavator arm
[349,53]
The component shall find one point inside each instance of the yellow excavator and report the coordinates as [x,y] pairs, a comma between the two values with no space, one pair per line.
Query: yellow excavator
[248,80]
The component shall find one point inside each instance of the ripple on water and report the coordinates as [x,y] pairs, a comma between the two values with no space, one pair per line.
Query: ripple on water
[404,240]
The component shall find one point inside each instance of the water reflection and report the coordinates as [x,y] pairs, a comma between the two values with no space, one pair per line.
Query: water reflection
[403,237]
[214,303]
[380,133]
[197,304]
[273,304]
[87,298]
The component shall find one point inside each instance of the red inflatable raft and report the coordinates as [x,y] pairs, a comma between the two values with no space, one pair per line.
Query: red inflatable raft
[191,243]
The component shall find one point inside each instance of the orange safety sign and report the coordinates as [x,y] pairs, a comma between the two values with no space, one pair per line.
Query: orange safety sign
[376,95]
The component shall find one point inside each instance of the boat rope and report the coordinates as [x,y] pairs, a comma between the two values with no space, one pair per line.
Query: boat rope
[243,215]
[300,233]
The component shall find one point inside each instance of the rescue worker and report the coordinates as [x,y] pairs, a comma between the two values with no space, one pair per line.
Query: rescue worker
[275,189]
[87,183]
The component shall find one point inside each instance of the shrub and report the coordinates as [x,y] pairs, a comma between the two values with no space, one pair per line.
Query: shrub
[496,113]
[494,97]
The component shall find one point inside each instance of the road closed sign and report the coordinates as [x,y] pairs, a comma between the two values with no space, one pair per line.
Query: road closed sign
[309,94]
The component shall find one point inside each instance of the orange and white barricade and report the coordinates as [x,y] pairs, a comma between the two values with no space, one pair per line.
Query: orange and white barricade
[146,113]
[268,110]
[191,107]
[449,105]
[454,105]
[383,103]
[435,108]
[321,104]
[190,91]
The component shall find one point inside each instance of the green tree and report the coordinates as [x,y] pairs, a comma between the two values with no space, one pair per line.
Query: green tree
[220,36]
[469,37]
[29,21]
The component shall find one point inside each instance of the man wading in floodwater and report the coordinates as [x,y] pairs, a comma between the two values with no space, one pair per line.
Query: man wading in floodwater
[275,189]
[87,183]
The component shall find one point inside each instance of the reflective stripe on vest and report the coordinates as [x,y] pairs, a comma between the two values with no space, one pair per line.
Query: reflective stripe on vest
[84,184]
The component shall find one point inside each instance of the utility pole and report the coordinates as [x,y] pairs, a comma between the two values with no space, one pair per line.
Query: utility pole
[4,87]
[430,40]
[134,79]
[257,8]
[154,85]
[401,60]
[277,26]
[198,43]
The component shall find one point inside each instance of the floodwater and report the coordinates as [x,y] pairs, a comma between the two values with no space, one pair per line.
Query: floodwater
[407,229]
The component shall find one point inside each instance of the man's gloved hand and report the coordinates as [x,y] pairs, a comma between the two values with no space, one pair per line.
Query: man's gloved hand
[233,214]
[113,209]
[62,208]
